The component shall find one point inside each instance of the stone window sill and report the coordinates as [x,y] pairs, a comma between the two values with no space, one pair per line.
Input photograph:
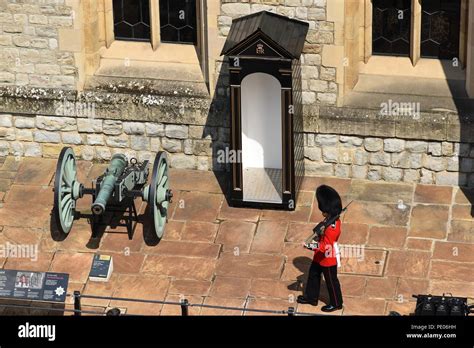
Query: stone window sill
[170,66]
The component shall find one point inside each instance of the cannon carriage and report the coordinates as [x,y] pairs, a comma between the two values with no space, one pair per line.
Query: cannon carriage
[114,191]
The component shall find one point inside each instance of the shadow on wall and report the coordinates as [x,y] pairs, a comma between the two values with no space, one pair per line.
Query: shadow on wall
[217,128]
[465,152]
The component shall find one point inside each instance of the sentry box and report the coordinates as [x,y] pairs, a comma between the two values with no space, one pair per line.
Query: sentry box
[263,51]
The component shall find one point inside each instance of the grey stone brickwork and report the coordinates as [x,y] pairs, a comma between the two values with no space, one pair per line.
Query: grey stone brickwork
[29,49]
[98,139]
[390,159]
[318,81]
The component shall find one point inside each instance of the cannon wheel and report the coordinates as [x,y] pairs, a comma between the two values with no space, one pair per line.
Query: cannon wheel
[158,199]
[66,191]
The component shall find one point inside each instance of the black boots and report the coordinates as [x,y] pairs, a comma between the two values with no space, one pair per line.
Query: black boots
[327,308]
[303,300]
[330,308]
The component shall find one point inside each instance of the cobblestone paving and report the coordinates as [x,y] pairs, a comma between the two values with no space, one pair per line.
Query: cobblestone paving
[417,238]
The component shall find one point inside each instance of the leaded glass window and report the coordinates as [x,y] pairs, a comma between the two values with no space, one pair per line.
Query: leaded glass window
[178,21]
[132,20]
[391,27]
[440,29]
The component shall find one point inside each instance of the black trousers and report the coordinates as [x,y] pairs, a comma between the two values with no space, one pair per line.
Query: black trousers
[314,283]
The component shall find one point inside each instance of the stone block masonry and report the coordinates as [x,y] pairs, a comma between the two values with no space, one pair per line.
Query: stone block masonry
[195,147]
[390,159]
[98,139]
[29,50]
[319,84]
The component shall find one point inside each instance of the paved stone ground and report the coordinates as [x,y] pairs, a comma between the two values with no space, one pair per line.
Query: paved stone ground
[418,239]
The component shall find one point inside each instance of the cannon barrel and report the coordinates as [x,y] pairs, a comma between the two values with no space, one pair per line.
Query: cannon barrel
[114,171]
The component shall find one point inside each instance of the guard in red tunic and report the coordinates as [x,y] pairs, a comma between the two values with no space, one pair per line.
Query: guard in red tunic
[326,253]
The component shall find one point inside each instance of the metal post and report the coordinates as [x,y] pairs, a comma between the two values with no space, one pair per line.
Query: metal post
[291,311]
[77,303]
[184,307]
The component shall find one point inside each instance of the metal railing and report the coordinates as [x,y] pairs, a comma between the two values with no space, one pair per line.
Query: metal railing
[183,303]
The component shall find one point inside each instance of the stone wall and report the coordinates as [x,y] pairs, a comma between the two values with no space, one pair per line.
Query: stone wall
[318,81]
[390,159]
[29,44]
[98,139]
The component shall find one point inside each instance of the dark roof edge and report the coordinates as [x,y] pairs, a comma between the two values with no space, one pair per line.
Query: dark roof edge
[272,14]
[269,41]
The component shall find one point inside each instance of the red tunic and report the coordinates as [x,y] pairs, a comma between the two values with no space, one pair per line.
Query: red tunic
[325,255]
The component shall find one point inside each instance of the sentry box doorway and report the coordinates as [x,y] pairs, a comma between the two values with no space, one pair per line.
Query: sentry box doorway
[263,51]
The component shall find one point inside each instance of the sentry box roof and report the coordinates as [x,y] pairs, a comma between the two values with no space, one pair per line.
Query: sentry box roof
[285,35]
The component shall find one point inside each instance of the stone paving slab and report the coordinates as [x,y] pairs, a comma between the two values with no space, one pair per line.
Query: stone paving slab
[416,239]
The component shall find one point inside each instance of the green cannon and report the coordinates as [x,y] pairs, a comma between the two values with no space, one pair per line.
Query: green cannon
[114,191]
[107,185]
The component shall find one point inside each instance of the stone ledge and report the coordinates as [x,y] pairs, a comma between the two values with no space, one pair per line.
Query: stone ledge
[435,125]
[182,107]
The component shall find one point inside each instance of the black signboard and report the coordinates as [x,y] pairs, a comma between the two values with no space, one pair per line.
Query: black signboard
[37,286]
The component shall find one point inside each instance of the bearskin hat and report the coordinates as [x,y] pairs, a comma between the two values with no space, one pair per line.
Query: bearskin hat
[329,200]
